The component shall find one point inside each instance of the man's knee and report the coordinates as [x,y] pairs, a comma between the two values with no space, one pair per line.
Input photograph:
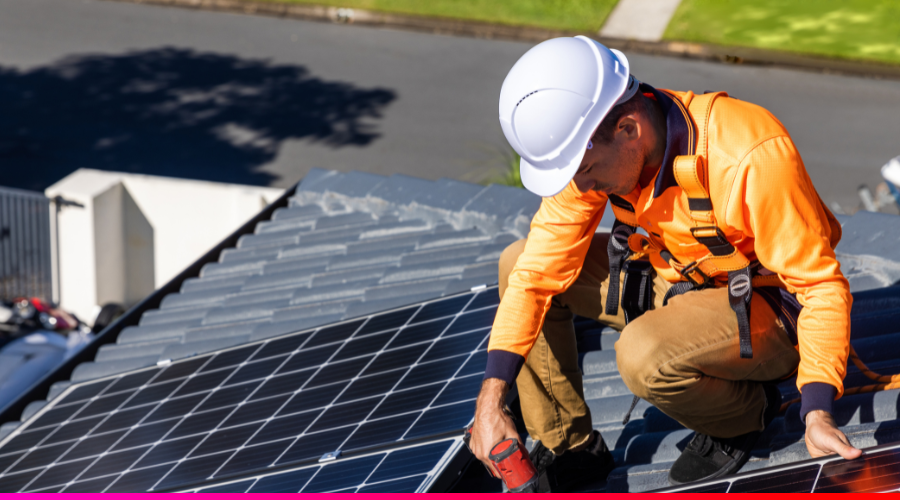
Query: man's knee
[508,259]
[637,361]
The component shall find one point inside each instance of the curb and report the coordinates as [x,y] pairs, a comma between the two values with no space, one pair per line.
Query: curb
[477,29]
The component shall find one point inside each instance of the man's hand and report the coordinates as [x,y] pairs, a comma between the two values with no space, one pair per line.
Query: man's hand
[491,425]
[824,438]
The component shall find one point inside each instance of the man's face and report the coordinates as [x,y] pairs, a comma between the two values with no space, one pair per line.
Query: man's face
[612,168]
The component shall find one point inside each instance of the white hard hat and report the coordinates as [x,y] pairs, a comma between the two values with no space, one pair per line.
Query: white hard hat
[552,101]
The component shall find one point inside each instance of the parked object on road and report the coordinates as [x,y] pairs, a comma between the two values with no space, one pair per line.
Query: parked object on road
[891,173]
[36,337]
[24,315]
[886,197]
[108,313]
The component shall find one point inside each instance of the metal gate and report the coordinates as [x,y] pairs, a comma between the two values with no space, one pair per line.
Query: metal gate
[25,245]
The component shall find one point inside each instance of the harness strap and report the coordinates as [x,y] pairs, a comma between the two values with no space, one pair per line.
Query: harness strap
[740,291]
[617,249]
[637,288]
[636,292]
[623,211]
[691,175]
[679,288]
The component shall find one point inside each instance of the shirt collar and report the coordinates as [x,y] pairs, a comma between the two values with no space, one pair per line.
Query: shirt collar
[681,135]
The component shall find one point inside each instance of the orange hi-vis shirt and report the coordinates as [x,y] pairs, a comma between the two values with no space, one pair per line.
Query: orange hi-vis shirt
[765,204]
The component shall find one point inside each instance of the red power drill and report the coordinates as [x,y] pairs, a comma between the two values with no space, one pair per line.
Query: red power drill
[512,462]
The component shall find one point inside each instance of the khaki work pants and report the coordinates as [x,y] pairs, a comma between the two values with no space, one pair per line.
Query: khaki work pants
[683,358]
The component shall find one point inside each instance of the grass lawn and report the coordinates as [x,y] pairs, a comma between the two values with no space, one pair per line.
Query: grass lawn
[849,29]
[572,15]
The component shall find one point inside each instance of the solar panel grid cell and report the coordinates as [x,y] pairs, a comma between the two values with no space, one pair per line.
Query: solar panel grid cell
[348,387]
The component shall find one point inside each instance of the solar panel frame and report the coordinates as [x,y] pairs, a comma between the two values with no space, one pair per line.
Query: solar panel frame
[873,471]
[164,388]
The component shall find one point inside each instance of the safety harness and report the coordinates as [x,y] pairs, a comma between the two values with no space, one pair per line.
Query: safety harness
[628,250]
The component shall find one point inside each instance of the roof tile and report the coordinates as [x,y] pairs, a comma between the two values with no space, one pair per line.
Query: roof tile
[180,316]
[401,189]
[304,212]
[220,331]
[451,195]
[355,184]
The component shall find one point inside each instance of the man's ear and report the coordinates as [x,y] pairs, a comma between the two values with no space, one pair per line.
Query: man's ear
[628,128]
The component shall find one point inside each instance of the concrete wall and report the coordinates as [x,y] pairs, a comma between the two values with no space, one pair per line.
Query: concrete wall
[123,248]
[136,232]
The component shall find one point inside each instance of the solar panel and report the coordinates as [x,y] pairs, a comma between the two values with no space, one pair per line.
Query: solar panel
[405,469]
[877,471]
[402,376]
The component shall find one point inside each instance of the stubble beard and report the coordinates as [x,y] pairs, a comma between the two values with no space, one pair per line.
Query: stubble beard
[633,163]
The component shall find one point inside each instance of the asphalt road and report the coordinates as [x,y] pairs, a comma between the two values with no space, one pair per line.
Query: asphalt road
[256,100]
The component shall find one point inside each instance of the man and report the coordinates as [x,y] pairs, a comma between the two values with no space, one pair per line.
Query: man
[725,201]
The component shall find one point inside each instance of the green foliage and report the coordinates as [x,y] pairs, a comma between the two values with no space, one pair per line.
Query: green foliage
[571,15]
[510,175]
[850,29]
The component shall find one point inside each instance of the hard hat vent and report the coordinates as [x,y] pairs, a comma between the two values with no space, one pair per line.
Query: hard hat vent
[526,97]
[544,123]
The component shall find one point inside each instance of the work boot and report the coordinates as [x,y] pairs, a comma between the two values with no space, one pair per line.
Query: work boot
[567,472]
[707,457]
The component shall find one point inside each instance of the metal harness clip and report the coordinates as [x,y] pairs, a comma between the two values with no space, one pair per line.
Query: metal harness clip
[690,270]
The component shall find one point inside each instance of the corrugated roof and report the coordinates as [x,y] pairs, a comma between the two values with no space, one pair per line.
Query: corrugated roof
[347,245]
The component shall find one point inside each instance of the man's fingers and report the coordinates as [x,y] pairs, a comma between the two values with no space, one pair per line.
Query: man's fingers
[490,435]
[841,445]
[830,442]
[824,438]
[491,468]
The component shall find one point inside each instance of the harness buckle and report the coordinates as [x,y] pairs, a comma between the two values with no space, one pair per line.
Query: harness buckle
[709,232]
[689,271]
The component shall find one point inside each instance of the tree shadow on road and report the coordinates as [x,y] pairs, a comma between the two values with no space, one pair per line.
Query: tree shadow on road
[171,112]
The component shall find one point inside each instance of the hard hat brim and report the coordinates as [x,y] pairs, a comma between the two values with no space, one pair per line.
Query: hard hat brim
[548,182]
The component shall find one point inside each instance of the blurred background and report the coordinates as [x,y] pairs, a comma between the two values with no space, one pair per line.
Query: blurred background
[256,100]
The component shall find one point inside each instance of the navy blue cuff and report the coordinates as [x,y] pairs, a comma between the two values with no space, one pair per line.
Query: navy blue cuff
[815,396]
[504,365]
